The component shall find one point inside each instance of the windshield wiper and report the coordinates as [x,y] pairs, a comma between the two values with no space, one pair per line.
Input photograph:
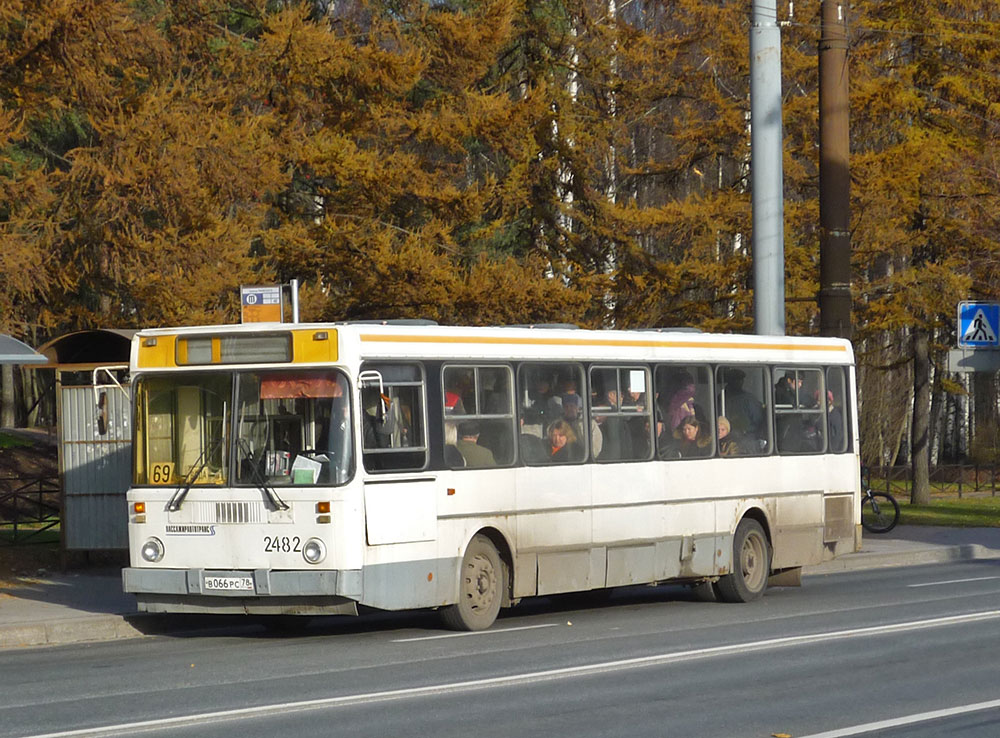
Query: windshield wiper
[199,465]
[259,479]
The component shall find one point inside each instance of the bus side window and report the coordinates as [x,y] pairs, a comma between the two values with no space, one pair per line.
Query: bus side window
[683,391]
[621,413]
[799,410]
[551,413]
[392,417]
[478,416]
[836,420]
[742,395]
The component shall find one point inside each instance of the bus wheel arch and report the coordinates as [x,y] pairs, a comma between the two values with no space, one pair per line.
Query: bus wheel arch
[751,565]
[499,540]
[484,583]
[758,514]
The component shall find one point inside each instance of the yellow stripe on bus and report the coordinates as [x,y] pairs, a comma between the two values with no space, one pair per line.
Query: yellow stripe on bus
[543,341]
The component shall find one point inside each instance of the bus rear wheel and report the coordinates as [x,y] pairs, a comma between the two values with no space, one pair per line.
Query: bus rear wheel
[751,564]
[480,588]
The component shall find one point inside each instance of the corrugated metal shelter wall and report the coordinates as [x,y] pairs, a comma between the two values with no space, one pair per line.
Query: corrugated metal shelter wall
[95,469]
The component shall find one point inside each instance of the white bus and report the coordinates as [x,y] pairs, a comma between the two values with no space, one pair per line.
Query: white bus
[311,468]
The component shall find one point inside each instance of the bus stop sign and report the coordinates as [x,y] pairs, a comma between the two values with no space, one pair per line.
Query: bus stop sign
[260,304]
[979,324]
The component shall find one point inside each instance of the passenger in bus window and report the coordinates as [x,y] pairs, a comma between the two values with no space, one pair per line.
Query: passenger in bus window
[812,433]
[455,384]
[452,456]
[475,456]
[691,438]
[745,412]
[640,436]
[533,447]
[681,403]
[799,433]
[563,445]
[786,388]
[616,438]
[495,394]
[376,419]
[835,423]
[596,438]
[729,440]
[572,403]
[544,402]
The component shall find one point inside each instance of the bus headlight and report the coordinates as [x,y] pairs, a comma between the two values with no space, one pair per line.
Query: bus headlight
[152,550]
[314,551]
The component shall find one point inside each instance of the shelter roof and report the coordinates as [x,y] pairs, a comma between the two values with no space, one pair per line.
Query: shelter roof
[13,351]
[82,349]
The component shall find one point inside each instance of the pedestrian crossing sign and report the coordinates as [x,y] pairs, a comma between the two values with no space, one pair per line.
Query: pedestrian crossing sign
[979,324]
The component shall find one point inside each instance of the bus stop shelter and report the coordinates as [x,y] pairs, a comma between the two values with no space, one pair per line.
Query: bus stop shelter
[92,411]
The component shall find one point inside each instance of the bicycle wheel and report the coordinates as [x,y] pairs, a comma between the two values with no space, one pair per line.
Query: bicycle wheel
[879,512]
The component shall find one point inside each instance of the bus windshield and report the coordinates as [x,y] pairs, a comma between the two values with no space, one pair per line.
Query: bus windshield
[181,424]
[291,428]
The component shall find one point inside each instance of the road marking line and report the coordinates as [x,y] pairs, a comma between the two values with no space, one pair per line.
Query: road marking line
[920,717]
[952,581]
[474,633]
[519,679]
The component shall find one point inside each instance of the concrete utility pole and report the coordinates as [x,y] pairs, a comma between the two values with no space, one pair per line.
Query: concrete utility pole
[834,175]
[766,171]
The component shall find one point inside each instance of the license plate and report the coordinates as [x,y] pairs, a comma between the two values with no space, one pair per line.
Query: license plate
[229,583]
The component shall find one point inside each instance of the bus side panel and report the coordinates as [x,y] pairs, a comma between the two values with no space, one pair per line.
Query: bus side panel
[403,576]
[649,517]
[797,535]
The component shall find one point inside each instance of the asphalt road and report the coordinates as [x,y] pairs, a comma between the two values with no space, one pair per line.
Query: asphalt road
[889,652]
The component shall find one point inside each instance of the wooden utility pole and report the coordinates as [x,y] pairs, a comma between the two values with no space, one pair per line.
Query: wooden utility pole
[834,174]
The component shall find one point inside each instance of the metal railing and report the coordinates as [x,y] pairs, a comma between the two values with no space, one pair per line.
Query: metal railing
[963,480]
[28,508]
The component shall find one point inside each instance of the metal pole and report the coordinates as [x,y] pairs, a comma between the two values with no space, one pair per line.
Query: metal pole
[766,170]
[834,175]
[294,290]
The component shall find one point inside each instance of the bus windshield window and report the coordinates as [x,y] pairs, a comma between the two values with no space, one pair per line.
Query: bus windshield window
[181,424]
[293,428]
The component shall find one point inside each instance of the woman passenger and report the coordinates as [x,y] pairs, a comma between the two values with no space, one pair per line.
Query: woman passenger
[562,442]
[692,438]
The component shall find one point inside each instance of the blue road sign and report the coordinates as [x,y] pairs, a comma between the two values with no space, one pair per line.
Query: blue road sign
[979,324]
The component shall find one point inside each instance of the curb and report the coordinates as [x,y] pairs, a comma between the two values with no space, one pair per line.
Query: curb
[872,560]
[70,630]
[113,627]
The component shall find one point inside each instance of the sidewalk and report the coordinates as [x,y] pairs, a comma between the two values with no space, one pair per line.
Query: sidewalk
[89,605]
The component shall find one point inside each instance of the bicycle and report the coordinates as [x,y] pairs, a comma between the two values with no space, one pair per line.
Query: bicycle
[879,510]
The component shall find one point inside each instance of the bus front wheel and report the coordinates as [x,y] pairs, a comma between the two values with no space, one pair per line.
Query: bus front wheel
[480,588]
[751,564]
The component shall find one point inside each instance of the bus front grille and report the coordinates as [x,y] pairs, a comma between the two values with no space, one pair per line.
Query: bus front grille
[229,513]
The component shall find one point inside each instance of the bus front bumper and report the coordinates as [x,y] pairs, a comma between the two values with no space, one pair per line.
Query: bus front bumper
[257,591]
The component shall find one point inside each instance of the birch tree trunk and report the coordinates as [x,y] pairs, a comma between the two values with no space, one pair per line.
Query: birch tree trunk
[8,413]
